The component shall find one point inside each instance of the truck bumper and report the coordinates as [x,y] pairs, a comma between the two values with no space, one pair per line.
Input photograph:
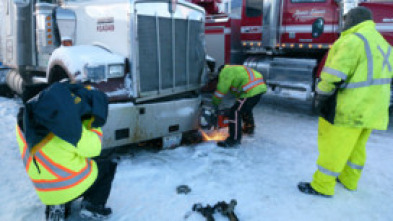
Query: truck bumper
[128,123]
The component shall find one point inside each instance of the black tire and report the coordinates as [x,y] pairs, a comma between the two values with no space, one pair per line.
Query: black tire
[5,91]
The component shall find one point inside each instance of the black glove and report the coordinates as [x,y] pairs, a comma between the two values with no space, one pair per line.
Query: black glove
[320,101]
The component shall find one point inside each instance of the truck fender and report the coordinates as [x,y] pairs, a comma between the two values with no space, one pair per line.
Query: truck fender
[71,62]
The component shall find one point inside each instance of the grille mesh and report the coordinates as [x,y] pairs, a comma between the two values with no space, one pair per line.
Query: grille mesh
[152,56]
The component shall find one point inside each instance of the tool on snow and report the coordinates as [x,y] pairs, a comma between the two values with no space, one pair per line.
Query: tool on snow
[207,211]
[183,189]
[227,210]
[212,118]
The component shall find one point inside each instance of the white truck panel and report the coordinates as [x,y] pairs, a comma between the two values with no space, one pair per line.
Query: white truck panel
[103,23]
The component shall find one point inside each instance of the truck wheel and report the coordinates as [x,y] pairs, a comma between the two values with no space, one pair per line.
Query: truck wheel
[56,74]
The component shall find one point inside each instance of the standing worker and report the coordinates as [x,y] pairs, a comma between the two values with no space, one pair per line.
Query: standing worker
[58,133]
[248,86]
[353,98]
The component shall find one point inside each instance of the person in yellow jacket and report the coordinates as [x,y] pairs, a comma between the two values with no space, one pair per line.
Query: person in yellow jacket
[248,86]
[353,97]
[62,172]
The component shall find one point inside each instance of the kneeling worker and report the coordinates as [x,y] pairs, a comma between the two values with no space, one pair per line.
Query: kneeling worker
[248,86]
[58,133]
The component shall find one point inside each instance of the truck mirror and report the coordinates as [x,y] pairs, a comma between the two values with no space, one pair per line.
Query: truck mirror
[317,27]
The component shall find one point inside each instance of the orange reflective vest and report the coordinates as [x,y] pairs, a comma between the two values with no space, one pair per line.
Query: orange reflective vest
[61,172]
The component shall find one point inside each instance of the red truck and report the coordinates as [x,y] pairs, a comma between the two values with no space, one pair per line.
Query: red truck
[286,40]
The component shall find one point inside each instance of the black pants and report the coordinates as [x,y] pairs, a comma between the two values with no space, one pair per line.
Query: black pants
[98,193]
[242,109]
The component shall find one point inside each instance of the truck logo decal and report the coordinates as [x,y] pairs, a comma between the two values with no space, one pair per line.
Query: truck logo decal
[106,24]
[303,15]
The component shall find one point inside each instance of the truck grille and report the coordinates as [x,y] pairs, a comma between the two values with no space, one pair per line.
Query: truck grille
[171,55]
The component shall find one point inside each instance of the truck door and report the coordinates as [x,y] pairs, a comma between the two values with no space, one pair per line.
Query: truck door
[310,22]
[251,23]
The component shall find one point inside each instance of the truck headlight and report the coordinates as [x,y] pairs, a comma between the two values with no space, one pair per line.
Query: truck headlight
[95,73]
[116,71]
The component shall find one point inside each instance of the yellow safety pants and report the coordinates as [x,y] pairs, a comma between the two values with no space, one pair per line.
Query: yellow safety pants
[342,154]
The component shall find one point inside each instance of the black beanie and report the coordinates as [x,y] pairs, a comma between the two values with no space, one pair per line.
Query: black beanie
[356,16]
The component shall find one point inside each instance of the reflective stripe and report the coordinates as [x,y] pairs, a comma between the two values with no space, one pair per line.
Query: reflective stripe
[98,133]
[354,166]
[218,94]
[328,172]
[250,73]
[386,58]
[335,72]
[25,156]
[51,166]
[255,83]
[379,81]
[370,70]
[51,185]
[370,60]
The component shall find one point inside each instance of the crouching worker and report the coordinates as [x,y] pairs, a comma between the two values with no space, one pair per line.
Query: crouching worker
[248,86]
[59,133]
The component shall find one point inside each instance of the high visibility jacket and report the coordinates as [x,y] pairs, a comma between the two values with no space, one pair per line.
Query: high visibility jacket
[241,81]
[358,74]
[61,172]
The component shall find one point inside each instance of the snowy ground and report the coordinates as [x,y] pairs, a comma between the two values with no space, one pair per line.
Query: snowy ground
[261,175]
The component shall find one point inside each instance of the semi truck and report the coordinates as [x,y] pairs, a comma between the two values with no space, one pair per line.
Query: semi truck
[286,40]
[148,56]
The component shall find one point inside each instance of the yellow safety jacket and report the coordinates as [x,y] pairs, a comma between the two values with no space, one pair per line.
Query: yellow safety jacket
[358,74]
[241,81]
[61,172]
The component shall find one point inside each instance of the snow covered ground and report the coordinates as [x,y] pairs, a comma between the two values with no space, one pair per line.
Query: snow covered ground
[261,175]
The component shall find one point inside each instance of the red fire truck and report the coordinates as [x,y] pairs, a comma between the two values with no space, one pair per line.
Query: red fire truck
[286,40]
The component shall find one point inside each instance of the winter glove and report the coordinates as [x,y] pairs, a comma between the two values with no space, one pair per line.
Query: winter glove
[320,101]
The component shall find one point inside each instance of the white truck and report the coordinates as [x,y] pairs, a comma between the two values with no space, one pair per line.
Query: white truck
[148,56]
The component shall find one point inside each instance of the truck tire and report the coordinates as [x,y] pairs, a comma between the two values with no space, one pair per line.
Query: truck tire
[56,74]
[5,91]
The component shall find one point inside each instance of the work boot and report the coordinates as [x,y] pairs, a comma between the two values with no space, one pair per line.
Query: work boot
[55,212]
[248,129]
[94,212]
[306,188]
[228,143]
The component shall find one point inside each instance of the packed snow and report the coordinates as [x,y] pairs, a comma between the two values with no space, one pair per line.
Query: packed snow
[261,175]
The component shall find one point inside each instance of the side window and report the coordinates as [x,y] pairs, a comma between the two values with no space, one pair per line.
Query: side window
[254,8]
[305,1]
